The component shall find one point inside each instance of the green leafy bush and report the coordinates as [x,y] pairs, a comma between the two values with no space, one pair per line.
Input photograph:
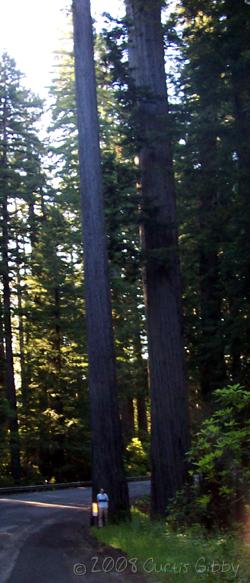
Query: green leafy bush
[219,474]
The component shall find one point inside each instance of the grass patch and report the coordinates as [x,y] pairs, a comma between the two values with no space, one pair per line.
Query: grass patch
[185,557]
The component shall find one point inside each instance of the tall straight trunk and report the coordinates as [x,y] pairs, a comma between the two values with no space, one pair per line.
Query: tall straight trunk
[238,62]
[44,451]
[2,351]
[15,466]
[32,222]
[59,441]
[142,414]
[212,364]
[142,392]
[128,419]
[107,465]
[235,349]
[43,206]
[57,332]
[21,333]
[169,416]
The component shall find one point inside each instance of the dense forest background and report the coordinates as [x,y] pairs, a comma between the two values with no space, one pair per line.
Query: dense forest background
[44,402]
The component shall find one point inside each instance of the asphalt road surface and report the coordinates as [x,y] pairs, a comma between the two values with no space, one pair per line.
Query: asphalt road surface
[44,538]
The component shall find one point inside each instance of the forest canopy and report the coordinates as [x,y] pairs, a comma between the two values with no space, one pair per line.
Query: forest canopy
[194,143]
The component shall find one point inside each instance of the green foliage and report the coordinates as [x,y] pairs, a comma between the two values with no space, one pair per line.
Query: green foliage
[182,557]
[210,152]
[137,457]
[210,79]
[120,210]
[217,492]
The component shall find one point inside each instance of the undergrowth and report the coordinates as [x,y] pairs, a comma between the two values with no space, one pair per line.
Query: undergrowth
[190,556]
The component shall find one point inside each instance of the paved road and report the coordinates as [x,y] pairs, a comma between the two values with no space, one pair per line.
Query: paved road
[44,538]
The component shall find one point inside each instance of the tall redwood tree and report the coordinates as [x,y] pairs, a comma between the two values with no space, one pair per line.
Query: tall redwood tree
[107,467]
[162,278]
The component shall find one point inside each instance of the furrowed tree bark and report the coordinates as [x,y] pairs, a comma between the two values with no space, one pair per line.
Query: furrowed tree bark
[2,351]
[238,47]
[142,415]
[128,420]
[107,466]
[169,417]
[212,364]
[238,62]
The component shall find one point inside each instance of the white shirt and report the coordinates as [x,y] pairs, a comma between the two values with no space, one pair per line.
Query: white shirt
[103,500]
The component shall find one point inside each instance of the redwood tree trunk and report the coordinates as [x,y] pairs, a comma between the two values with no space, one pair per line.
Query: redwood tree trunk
[2,351]
[128,420]
[239,65]
[169,418]
[142,415]
[142,381]
[21,332]
[212,364]
[107,466]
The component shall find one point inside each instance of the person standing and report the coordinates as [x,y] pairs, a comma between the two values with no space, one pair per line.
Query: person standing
[103,504]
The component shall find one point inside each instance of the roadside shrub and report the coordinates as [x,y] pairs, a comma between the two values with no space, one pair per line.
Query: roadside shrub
[219,475]
[188,556]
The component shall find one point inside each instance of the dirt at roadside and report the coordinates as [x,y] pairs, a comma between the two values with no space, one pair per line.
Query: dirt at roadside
[104,563]
[66,552]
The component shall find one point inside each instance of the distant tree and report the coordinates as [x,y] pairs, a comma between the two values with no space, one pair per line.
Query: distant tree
[204,91]
[213,177]
[2,351]
[58,431]
[236,52]
[19,111]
